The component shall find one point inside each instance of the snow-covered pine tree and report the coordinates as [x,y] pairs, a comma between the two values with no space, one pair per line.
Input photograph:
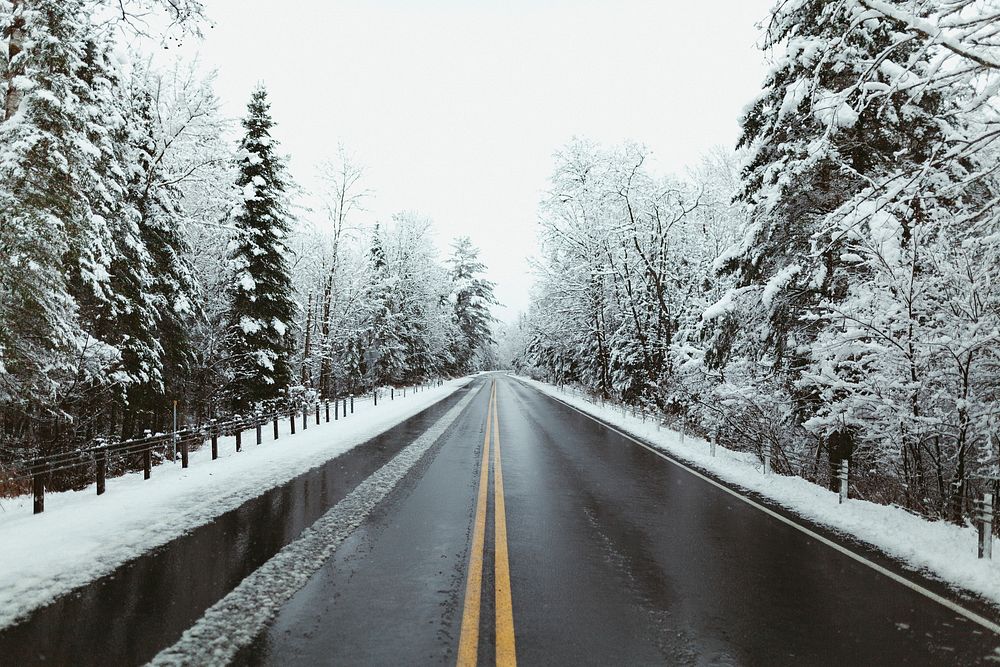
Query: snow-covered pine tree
[54,242]
[471,297]
[906,346]
[119,309]
[813,144]
[384,354]
[261,300]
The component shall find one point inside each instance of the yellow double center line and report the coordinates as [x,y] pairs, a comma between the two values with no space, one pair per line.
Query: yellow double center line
[468,644]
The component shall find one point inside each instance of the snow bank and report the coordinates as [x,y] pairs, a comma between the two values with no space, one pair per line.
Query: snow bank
[938,549]
[82,536]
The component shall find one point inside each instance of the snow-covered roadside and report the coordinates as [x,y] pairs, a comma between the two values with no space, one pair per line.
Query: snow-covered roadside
[82,536]
[942,550]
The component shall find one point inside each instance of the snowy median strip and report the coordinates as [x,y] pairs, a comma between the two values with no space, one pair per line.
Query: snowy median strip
[238,618]
[939,549]
[83,536]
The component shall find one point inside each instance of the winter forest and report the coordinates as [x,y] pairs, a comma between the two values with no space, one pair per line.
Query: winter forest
[831,289]
[152,251]
[826,290]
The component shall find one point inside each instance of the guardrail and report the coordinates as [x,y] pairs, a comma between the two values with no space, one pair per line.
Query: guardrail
[104,459]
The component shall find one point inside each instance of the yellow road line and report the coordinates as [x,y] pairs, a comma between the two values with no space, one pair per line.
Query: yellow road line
[505,653]
[468,643]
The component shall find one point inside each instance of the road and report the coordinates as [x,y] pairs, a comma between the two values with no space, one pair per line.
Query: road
[526,532]
[578,546]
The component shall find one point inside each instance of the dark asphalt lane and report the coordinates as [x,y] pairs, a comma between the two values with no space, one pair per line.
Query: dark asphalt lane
[392,593]
[617,557]
[144,606]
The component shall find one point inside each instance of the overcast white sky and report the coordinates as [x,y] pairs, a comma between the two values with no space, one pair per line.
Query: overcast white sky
[456,106]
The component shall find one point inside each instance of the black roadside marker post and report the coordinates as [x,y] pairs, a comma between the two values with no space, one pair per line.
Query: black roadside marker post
[101,456]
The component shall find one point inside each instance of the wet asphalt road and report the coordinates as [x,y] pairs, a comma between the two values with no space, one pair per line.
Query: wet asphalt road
[617,557]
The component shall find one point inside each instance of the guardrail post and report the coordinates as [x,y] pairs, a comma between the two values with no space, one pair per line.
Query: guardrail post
[985,518]
[259,424]
[184,451]
[352,405]
[38,486]
[215,439]
[767,458]
[274,418]
[305,417]
[375,396]
[291,420]
[239,437]
[317,413]
[392,393]
[147,460]
[101,462]
[328,411]
[842,474]
[336,409]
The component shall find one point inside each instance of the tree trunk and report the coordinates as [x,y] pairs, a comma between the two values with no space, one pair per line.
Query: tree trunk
[308,341]
[325,362]
[15,42]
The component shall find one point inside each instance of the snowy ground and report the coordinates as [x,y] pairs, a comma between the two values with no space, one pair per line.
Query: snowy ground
[942,550]
[82,536]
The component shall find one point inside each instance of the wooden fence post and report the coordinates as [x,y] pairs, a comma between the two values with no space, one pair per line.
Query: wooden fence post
[275,417]
[328,411]
[239,436]
[305,417]
[352,405]
[317,414]
[215,439]
[147,460]
[185,441]
[260,425]
[101,463]
[291,420]
[375,396]
[336,408]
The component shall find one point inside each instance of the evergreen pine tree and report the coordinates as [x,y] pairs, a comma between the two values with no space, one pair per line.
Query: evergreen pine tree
[261,297]
[120,310]
[471,298]
[51,236]
[384,360]
[815,141]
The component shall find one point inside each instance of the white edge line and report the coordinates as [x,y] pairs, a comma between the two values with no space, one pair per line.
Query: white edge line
[958,609]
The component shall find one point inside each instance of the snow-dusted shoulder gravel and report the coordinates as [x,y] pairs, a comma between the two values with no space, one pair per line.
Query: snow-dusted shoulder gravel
[942,550]
[82,536]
